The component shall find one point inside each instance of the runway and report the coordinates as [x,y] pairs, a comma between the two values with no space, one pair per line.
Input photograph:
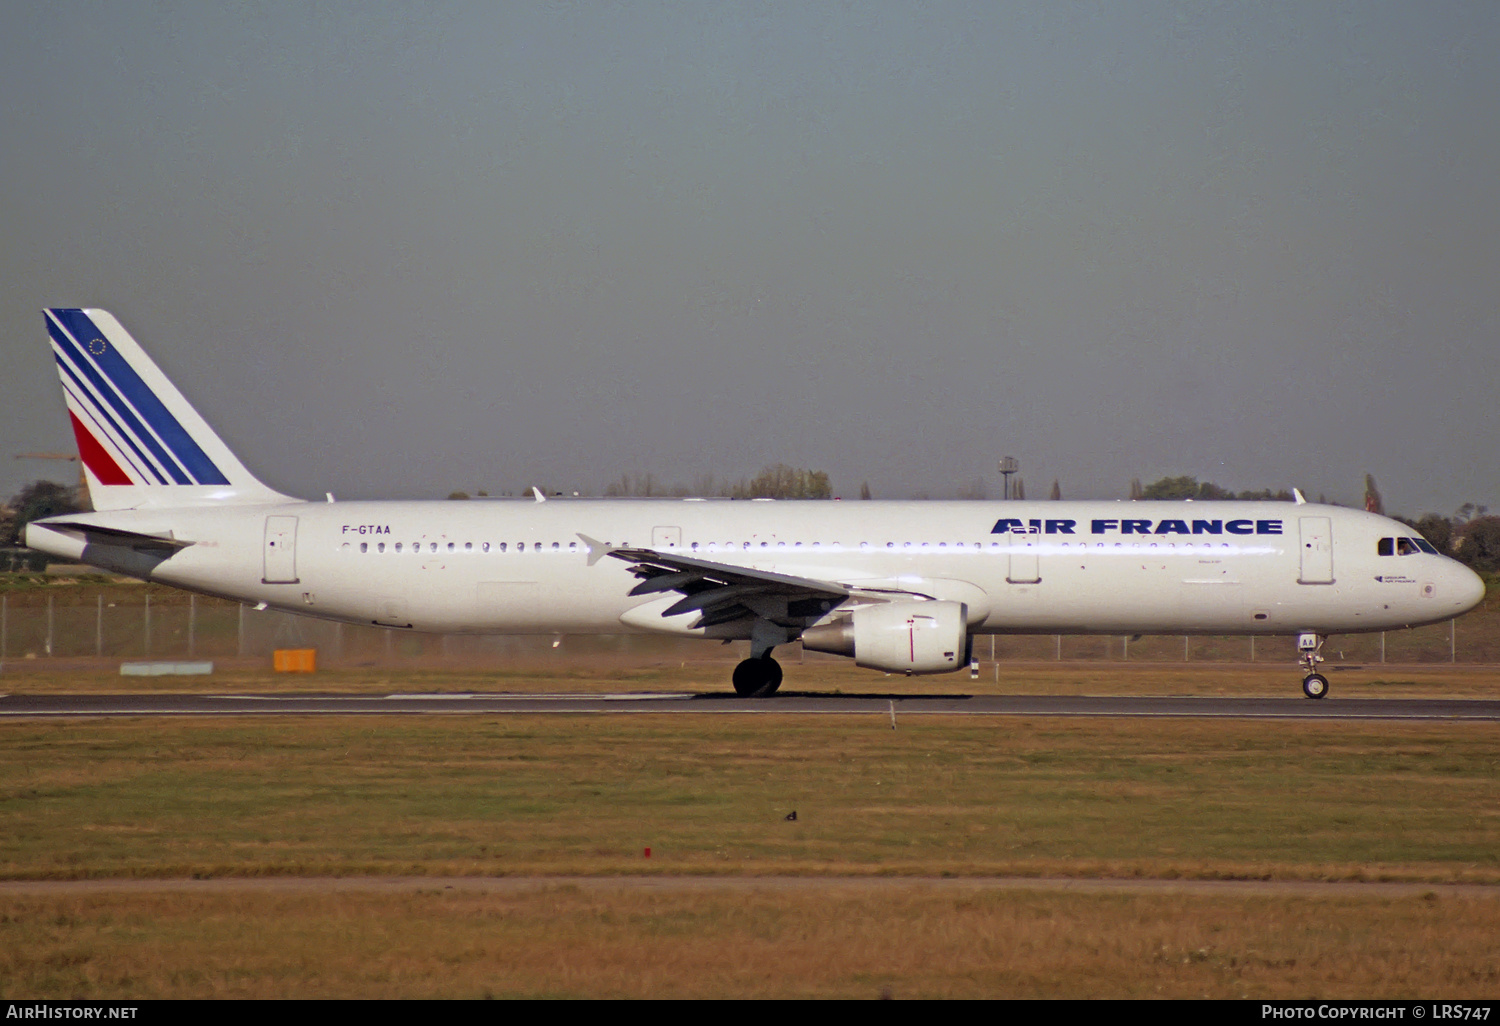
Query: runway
[722,704]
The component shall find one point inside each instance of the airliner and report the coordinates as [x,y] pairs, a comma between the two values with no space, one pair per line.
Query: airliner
[901,587]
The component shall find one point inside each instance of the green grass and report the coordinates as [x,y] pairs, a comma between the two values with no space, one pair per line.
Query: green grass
[586,794]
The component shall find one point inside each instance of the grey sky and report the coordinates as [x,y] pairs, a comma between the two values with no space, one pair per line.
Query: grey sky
[392,250]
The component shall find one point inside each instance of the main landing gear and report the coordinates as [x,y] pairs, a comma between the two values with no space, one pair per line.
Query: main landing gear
[757,677]
[1314,684]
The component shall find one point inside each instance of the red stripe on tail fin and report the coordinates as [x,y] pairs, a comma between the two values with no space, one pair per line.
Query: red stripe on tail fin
[94,456]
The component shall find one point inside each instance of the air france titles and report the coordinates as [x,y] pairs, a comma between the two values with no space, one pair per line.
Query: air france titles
[1014,525]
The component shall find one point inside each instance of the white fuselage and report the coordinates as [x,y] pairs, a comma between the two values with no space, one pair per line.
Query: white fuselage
[518,566]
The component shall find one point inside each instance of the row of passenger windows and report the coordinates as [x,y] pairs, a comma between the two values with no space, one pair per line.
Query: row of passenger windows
[1403,547]
[483,547]
[417,547]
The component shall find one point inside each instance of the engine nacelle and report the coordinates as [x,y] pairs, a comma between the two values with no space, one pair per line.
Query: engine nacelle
[898,637]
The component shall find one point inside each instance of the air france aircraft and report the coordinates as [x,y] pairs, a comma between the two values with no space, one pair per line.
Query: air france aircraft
[902,587]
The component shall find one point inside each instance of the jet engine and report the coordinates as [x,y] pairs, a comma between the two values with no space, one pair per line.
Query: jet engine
[898,637]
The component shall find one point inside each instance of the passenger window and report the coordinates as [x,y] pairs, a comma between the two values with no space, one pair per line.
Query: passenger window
[433,547]
[555,546]
[468,546]
[450,546]
[398,546]
[380,547]
[1384,547]
[484,546]
[364,546]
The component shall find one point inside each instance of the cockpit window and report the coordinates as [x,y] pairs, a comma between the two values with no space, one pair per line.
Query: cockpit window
[1404,547]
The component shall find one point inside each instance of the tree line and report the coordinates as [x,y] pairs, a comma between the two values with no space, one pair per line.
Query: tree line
[776,481]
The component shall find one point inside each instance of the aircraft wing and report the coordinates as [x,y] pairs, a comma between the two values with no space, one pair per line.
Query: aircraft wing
[720,592]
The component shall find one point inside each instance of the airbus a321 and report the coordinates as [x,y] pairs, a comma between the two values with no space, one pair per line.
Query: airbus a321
[901,587]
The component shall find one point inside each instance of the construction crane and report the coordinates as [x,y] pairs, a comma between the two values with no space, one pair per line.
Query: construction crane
[83,482]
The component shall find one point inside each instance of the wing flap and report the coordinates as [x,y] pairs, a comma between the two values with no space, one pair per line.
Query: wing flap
[650,563]
[721,592]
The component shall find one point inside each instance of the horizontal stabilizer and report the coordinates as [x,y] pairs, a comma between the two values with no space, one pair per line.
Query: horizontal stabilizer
[93,534]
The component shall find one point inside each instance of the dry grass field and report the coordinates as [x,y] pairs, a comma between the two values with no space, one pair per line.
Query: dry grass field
[836,941]
[958,799]
[280,819]
[968,796]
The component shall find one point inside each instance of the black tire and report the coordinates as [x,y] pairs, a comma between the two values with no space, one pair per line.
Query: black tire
[773,680]
[1315,685]
[757,678]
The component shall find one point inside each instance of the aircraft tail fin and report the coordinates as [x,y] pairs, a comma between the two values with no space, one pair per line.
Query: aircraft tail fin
[141,443]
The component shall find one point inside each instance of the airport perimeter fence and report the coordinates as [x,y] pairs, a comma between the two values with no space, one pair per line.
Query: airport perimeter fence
[117,622]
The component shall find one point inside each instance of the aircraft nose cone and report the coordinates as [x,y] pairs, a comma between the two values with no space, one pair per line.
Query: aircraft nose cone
[1468,588]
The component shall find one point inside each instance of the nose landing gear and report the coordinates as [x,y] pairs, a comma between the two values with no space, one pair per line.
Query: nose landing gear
[1309,647]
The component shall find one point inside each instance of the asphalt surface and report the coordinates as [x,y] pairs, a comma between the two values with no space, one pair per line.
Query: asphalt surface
[718,703]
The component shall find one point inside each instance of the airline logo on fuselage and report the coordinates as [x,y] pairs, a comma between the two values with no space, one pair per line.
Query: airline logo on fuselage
[1014,525]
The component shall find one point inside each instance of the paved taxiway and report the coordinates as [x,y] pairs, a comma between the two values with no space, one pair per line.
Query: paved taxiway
[16,706]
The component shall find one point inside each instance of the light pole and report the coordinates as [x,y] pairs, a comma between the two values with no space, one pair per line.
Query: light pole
[1008,466]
